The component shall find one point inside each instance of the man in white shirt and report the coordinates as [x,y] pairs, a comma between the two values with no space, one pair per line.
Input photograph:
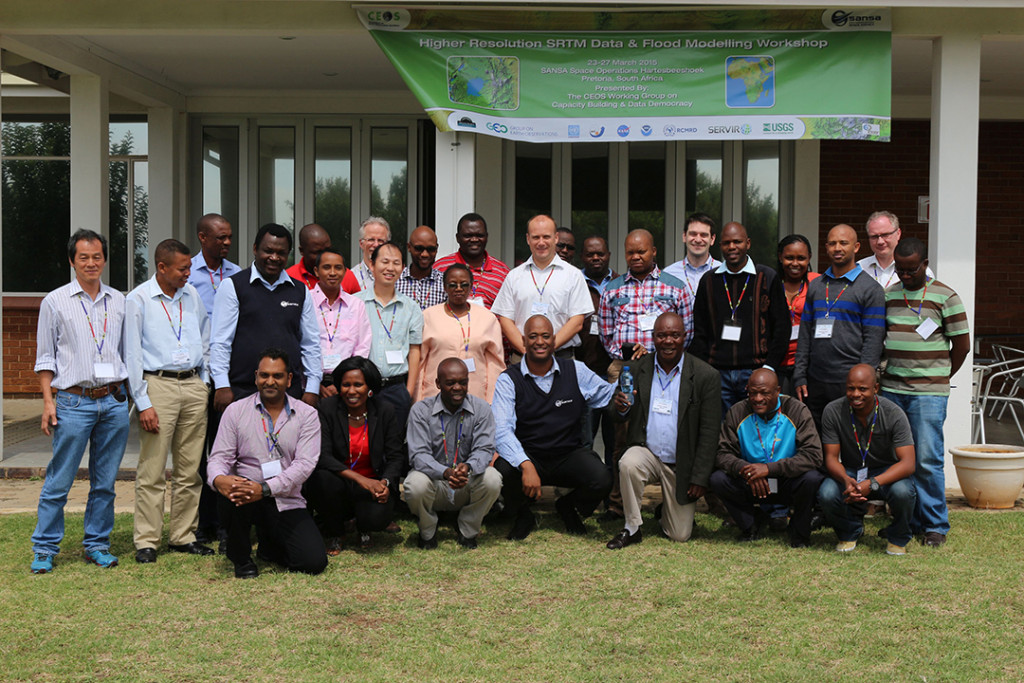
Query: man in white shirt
[883,228]
[373,232]
[547,286]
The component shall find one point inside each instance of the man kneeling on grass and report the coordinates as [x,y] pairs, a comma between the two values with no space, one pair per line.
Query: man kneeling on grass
[266,447]
[869,451]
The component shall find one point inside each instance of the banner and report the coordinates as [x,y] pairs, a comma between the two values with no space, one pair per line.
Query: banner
[701,75]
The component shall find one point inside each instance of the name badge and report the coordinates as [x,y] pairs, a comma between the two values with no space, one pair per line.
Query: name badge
[773,485]
[862,474]
[731,331]
[271,469]
[331,361]
[823,328]
[647,321]
[394,357]
[539,308]
[476,300]
[794,334]
[180,356]
[470,364]
[103,370]
[926,328]
[595,329]
[662,406]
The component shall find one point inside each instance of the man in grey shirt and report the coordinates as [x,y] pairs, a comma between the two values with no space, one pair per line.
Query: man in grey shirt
[451,441]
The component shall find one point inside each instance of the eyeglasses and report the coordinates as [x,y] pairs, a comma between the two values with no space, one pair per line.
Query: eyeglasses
[900,272]
[566,246]
[372,240]
[419,248]
[883,235]
[458,285]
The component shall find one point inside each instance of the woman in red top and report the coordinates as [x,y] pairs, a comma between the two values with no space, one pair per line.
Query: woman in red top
[794,263]
[361,456]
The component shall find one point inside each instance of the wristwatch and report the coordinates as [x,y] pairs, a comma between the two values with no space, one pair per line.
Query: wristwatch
[265,490]
[874,485]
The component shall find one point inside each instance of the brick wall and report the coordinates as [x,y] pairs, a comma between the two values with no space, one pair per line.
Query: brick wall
[20,317]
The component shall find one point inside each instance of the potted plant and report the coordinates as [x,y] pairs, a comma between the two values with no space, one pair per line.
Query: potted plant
[991,475]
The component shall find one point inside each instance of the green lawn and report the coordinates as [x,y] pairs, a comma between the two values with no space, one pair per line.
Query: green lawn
[552,608]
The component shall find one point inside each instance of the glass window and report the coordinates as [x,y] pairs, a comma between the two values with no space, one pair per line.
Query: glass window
[533,191]
[277,176]
[704,179]
[389,179]
[590,190]
[131,135]
[332,199]
[220,176]
[647,192]
[761,199]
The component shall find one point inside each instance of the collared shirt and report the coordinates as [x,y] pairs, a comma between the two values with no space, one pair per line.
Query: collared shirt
[207,281]
[395,326]
[426,292]
[225,322]
[349,283]
[599,286]
[434,436]
[850,275]
[690,274]
[344,327]
[364,274]
[245,441]
[747,268]
[662,425]
[487,279]
[627,302]
[70,348]
[884,276]
[559,292]
[595,390]
[153,324]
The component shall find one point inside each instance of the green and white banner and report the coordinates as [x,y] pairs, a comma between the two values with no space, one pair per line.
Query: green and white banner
[569,76]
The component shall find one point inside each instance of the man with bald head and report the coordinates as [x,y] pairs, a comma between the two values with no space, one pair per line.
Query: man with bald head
[210,266]
[451,441]
[419,281]
[740,316]
[539,407]
[869,452]
[768,452]
[843,324]
[313,240]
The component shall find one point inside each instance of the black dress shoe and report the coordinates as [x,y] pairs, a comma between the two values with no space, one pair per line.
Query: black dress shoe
[611,514]
[469,543]
[192,548]
[778,524]
[798,543]
[624,538]
[246,570]
[525,522]
[145,555]
[426,543]
[748,535]
[567,511]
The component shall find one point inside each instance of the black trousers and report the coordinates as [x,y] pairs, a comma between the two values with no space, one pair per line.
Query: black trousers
[798,492]
[337,500]
[288,537]
[208,518]
[819,395]
[581,470]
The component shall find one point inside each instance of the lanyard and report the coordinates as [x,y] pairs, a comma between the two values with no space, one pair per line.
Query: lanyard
[337,318]
[422,297]
[540,290]
[271,437]
[828,308]
[864,451]
[394,314]
[792,303]
[177,332]
[874,270]
[921,307]
[671,377]
[725,283]
[464,331]
[639,287]
[88,319]
[458,440]
[220,273]
[775,431]
[362,439]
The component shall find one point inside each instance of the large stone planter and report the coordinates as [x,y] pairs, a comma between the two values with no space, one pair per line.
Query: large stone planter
[991,475]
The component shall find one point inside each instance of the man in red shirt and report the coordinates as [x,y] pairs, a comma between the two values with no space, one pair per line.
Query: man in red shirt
[488,272]
[313,239]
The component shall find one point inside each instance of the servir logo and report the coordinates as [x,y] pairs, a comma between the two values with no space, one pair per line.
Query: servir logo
[745,129]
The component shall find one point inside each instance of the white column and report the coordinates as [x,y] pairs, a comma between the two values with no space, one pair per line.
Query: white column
[90,155]
[1,296]
[165,130]
[456,155]
[956,63]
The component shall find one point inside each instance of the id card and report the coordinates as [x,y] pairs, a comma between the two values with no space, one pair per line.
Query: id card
[470,364]
[271,469]
[180,356]
[926,328]
[862,474]
[731,331]
[476,300]
[823,328]
[594,327]
[539,308]
[647,321]
[794,334]
[662,406]
[102,369]
[394,357]
[773,485]
[331,361]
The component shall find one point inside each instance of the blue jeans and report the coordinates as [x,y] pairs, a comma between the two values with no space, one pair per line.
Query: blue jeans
[848,518]
[926,415]
[734,387]
[103,425]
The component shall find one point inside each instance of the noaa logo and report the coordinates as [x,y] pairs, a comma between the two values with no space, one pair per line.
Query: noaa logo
[646,130]
[745,129]
[562,401]
[669,130]
[574,131]
[497,127]
[286,304]
[597,133]
[623,130]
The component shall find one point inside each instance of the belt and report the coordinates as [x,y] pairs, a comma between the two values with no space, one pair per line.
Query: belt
[96,392]
[173,374]
[397,379]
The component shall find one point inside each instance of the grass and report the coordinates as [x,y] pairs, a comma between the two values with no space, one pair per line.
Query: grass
[552,608]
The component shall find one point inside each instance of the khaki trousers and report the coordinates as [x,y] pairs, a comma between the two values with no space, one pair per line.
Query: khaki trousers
[181,409]
[426,496]
[639,467]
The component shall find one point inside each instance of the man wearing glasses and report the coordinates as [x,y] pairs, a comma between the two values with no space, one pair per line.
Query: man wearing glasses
[565,244]
[373,232]
[419,281]
[883,228]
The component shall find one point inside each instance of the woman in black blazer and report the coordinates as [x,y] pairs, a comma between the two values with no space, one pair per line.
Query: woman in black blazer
[361,456]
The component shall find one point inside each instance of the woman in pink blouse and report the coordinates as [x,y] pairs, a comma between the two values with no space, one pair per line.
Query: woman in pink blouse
[463,330]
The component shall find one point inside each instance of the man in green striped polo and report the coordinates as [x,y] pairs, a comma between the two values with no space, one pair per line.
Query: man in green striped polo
[926,342]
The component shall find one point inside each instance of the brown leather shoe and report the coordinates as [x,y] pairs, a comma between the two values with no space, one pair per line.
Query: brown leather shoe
[624,538]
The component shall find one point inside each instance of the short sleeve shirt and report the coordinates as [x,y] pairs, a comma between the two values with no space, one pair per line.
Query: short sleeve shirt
[558,292]
[892,431]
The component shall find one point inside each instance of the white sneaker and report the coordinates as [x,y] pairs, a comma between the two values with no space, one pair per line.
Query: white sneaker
[845,546]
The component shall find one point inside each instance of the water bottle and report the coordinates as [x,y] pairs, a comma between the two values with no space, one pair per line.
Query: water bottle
[626,384]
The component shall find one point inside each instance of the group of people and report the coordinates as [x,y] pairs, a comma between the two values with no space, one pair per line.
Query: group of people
[308,401]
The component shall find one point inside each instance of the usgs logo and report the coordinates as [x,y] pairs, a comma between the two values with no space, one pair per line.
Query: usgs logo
[777,128]
[497,127]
